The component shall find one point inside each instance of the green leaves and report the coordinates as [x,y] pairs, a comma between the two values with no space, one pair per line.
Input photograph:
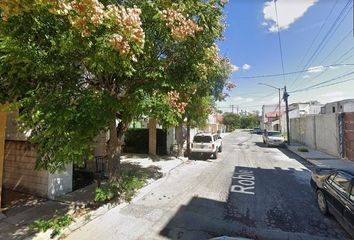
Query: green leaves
[64,124]
[69,86]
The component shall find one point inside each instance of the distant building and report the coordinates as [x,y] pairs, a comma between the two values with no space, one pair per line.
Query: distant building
[270,117]
[215,124]
[298,109]
[346,105]
[270,114]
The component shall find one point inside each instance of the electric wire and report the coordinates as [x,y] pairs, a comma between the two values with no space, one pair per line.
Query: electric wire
[315,38]
[326,37]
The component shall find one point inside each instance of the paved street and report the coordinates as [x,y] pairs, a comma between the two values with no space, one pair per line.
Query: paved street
[250,191]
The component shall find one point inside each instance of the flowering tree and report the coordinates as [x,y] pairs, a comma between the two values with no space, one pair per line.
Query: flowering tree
[75,66]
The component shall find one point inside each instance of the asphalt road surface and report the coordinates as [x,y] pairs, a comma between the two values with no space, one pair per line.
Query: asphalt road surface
[250,191]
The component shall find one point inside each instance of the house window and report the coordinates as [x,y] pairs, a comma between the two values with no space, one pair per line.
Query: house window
[333,109]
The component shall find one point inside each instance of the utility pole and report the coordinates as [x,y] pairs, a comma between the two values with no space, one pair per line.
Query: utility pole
[285,97]
[232,108]
[279,111]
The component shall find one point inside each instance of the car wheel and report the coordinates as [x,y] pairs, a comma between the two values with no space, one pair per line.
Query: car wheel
[215,154]
[220,148]
[322,202]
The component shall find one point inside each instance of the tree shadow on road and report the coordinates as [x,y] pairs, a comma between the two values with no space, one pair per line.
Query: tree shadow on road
[275,203]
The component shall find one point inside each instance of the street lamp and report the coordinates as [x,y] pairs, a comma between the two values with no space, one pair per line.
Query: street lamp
[268,85]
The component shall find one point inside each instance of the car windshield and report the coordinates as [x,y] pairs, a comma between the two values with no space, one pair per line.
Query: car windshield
[202,139]
[274,134]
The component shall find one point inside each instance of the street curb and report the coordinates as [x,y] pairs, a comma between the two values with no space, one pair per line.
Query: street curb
[94,214]
[299,155]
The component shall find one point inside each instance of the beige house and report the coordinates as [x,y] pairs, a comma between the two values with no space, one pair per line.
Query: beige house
[17,163]
[215,124]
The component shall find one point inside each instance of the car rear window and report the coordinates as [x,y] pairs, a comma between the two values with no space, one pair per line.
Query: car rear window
[341,182]
[202,139]
[274,134]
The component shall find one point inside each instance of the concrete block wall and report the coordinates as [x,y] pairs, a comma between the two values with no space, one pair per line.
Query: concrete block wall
[319,132]
[327,133]
[19,173]
[309,133]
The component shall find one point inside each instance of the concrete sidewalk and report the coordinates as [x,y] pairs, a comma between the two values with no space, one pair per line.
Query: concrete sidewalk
[15,227]
[320,159]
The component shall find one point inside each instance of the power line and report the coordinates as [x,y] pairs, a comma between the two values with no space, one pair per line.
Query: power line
[279,40]
[324,82]
[348,58]
[328,85]
[338,60]
[315,38]
[344,54]
[339,43]
[295,72]
[326,37]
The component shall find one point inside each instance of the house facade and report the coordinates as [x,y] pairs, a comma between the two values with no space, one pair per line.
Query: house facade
[270,118]
[19,160]
[346,105]
[214,124]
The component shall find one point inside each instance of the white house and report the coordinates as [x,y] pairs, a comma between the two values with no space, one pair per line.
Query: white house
[270,114]
[270,117]
[346,105]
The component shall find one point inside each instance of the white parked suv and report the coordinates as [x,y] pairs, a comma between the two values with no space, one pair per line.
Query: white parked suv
[206,144]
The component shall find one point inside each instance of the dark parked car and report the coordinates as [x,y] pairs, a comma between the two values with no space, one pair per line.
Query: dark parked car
[257,131]
[335,194]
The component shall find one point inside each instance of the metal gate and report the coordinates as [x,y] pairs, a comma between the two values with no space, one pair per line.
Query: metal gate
[348,126]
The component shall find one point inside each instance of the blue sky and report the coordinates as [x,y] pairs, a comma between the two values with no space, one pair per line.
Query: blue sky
[251,43]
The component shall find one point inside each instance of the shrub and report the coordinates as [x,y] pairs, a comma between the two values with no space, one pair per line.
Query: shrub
[125,187]
[105,193]
[57,224]
[302,149]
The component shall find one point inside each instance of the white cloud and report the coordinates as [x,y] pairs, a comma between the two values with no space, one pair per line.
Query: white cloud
[306,77]
[289,11]
[274,100]
[234,68]
[246,67]
[316,69]
[333,96]
[249,100]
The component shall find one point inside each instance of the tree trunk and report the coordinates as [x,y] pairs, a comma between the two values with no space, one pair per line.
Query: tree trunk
[115,148]
[188,136]
[113,153]
[179,138]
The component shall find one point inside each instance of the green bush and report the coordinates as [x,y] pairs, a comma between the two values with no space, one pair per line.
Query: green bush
[57,224]
[302,149]
[125,188]
[105,193]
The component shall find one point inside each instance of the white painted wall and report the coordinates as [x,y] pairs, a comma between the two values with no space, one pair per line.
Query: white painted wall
[348,107]
[60,183]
